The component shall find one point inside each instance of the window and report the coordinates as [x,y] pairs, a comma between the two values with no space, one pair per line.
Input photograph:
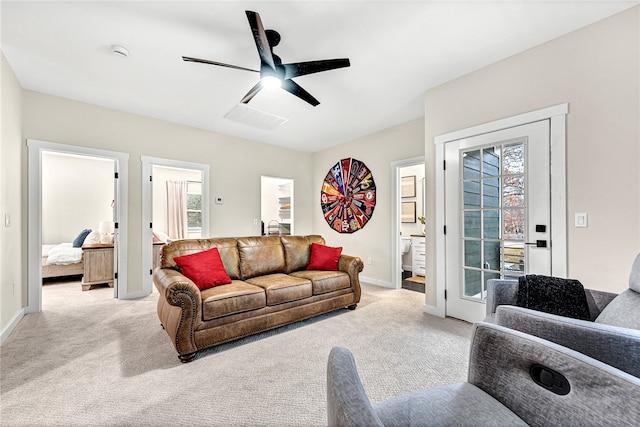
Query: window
[194,206]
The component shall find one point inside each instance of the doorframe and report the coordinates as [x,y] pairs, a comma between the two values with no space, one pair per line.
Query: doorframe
[34,203]
[556,114]
[396,273]
[147,209]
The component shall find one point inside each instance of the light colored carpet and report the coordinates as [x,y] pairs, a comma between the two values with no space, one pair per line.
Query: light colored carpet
[90,360]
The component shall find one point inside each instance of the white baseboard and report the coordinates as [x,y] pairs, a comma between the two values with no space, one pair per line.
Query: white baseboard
[433,310]
[11,326]
[376,282]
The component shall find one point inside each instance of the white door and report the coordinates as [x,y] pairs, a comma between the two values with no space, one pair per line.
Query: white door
[498,207]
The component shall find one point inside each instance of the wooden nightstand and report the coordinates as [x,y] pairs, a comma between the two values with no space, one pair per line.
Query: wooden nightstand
[98,265]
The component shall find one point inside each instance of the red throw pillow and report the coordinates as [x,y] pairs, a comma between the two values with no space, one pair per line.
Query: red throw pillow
[324,257]
[204,268]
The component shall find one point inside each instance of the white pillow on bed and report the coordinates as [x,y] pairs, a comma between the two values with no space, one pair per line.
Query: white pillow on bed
[92,238]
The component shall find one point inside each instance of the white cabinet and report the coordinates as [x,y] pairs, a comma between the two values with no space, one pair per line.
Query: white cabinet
[418,257]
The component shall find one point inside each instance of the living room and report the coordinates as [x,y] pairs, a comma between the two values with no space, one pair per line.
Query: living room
[594,69]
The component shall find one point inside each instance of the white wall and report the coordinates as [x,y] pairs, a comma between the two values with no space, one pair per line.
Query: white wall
[76,194]
[595,69]
[377,151]
[236,164]
[13,276]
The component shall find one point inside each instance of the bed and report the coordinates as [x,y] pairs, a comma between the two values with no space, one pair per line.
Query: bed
[61,260]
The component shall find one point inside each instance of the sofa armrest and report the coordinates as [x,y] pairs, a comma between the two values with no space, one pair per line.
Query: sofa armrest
[352,266]
[179,306]
[597,301]
[615,346]
[501,362]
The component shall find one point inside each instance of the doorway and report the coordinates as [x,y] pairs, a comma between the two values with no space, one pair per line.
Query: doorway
[36,149]
[276,206]
[499,209]
[186,217]
[414,197]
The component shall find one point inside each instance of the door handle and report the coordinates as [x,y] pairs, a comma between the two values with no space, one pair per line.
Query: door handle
[538,243]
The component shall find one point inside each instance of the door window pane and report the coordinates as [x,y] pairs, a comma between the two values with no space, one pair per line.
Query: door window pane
[491,224]
[513,159]
[491,193]
[514,222]
[472,256]
[472,224]
[491,255]
[471,194]
[471,164]
[513,191]
[472,283]
[491,161]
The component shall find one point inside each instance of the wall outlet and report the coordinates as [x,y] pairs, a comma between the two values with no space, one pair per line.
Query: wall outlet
[219,200]
[369,260]
[7,220]
[255,221]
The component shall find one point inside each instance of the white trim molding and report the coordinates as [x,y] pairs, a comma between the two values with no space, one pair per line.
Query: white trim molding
[557,138]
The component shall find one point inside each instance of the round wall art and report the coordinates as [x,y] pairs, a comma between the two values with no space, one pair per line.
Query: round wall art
[348,196]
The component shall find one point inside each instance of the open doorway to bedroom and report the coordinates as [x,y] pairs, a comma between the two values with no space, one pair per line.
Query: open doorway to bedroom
[109,263]
[77,220]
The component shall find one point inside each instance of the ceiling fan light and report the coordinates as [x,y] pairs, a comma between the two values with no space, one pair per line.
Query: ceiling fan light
[271,82]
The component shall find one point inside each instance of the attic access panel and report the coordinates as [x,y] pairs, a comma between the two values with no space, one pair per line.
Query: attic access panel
[348,196]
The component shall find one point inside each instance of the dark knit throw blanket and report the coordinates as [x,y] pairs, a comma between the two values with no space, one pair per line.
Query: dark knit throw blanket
[563,297]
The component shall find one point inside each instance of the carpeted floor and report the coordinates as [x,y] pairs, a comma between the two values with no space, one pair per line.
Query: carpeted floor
[91,360]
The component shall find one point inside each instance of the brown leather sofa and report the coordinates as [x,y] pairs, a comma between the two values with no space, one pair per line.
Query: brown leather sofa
[270,288]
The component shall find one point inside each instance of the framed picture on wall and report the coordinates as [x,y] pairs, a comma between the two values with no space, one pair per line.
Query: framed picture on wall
[409,186]
[409,212]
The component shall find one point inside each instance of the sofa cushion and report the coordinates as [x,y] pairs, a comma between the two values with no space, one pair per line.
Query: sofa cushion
[297,250]
[204,268]
[260,256]
[236,297]
[324,257]
[325,281]
[623,311]
[281,288]
[226,247]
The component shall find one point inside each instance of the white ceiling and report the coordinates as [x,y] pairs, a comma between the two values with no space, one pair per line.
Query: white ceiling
[398,50]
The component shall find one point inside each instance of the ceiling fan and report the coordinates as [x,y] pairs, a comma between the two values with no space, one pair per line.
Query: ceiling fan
[272,71]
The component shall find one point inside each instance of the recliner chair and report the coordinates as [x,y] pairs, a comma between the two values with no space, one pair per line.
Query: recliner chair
[612,336]
[514,379]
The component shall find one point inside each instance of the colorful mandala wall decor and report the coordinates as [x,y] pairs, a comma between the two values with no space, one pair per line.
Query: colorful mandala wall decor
[348,196]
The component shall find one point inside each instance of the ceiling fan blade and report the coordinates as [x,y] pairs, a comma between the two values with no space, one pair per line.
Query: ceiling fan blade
[206,61]
[260,37]
[310,67]
[252,92]
[295,89]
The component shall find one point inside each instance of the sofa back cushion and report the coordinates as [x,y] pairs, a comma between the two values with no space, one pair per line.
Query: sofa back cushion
[226,247]
[623,311]
[297,251]
[260,255]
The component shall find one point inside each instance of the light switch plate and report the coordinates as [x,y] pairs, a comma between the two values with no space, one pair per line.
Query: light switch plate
[581,220]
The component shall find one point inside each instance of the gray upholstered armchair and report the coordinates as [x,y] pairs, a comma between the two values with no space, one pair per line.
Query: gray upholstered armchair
[514,379]
[612,336]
